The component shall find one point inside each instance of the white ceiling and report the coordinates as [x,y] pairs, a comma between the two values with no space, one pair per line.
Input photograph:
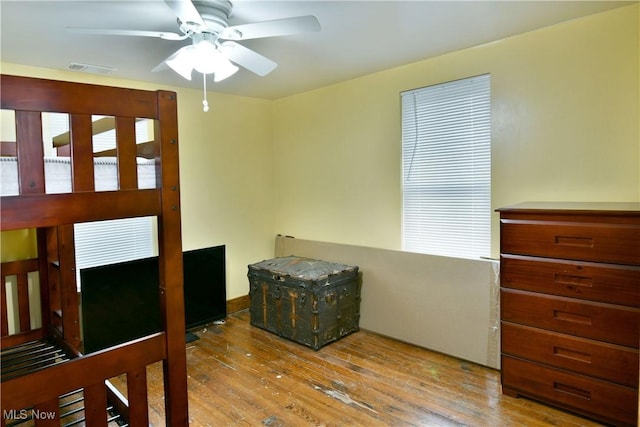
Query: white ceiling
[357,37]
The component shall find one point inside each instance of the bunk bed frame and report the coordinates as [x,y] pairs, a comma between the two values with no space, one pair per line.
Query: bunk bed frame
[52,216]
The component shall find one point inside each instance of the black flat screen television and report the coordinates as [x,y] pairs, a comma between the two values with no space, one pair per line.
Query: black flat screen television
[120,302]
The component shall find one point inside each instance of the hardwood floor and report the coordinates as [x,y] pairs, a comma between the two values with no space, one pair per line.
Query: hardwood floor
[240,375]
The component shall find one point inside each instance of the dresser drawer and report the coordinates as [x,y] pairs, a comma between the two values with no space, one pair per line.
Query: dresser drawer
[616,284]
[590,396]
[600,321]
[581,355]
[614,243]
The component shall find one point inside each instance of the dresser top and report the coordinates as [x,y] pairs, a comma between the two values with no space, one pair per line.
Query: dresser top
[575,207]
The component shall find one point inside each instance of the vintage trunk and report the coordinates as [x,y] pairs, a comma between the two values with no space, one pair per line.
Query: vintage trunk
[309,301]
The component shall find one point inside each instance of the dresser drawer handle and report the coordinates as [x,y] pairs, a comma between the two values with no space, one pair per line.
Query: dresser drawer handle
[572,354]
[574,391]
[574,241]
[571,317]
[566,279]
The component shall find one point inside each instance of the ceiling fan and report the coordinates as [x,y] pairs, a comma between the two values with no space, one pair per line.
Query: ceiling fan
[214,48]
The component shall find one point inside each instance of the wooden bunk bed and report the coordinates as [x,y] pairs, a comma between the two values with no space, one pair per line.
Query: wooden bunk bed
[40,391]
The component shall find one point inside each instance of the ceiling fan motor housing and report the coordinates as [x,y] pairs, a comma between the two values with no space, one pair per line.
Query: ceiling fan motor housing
[215,14]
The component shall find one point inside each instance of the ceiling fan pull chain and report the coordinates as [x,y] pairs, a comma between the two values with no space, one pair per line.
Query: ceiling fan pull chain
[205,104]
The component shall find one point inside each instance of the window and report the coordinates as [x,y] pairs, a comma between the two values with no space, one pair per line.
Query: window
[446,168]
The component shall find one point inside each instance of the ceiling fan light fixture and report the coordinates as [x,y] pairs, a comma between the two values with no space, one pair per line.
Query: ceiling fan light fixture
[206,58]
[182,63]
[225,70]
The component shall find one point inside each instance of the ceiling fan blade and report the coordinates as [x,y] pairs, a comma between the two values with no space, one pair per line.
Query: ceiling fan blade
[247,58]
[160,67]
[98,31]
[277,27]
[185,11]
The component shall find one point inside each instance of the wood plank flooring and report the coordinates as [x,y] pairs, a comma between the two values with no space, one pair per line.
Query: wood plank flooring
[240,375]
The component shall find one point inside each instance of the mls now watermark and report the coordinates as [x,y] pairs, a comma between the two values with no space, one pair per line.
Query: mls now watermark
[25,414]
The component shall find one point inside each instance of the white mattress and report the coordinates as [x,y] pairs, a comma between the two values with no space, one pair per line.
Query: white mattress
[57,172]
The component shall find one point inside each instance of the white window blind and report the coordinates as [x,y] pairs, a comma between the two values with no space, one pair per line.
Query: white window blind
[446,168]
[108,242]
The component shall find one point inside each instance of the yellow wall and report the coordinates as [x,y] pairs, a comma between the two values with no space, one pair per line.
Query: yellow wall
[17,245]
[225,172]
[565,126]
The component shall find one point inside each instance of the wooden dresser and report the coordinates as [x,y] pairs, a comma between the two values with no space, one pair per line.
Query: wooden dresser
[570,306]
